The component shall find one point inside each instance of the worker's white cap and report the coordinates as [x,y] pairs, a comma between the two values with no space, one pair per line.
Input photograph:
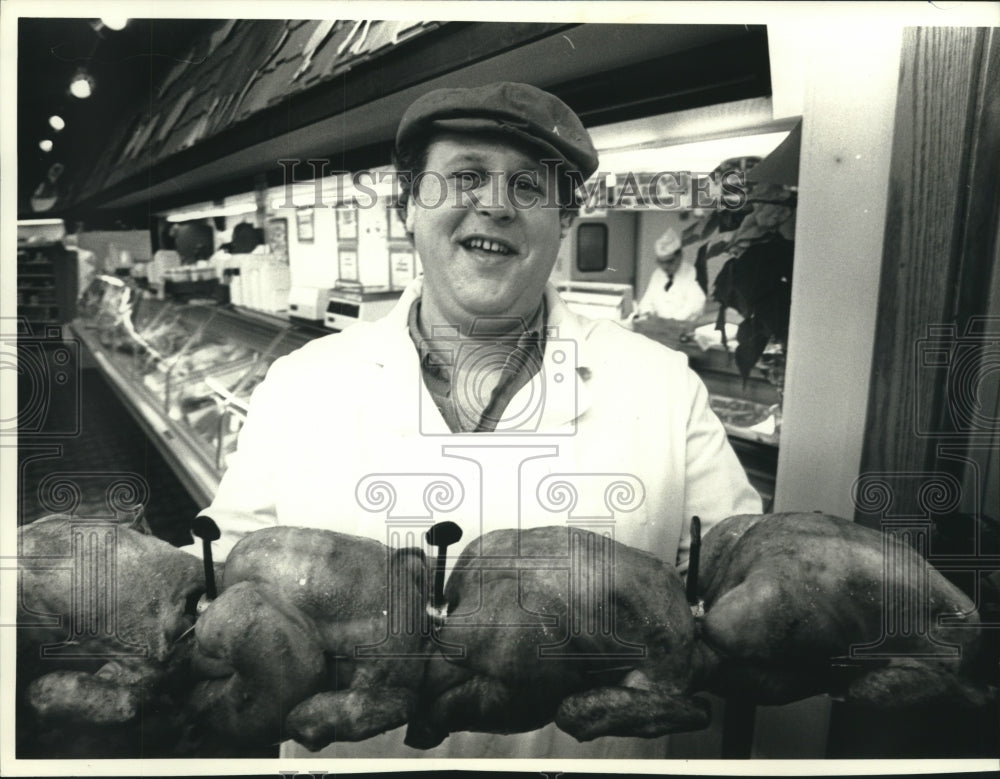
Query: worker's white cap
[668,243]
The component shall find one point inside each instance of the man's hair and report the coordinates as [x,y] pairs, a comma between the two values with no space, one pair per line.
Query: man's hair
[411,161]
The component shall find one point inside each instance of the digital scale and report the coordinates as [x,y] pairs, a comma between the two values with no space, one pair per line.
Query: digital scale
[308,304]
[348,306]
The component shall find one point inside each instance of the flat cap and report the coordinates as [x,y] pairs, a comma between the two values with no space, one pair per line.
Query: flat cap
[521,110]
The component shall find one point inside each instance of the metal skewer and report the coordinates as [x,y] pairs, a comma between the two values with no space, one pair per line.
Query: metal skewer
[697,606]
[208,531]
[442,535]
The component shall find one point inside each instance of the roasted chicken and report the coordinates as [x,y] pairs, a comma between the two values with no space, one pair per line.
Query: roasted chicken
[803,604]
[316,636]
[102,610]
[560,624]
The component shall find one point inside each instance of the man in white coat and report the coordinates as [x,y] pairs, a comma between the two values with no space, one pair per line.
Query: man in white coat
[481,398]
[673,291]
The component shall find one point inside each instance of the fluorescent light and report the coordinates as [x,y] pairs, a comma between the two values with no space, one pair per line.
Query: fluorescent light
[336,190]
[698,157]
[208,213]
[56,122]
[38,222]
[45,145]
[114,22]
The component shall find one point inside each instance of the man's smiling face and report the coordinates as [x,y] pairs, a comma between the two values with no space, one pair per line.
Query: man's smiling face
[486,225]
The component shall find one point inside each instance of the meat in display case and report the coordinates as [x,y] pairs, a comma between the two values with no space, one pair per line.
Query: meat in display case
[185,371]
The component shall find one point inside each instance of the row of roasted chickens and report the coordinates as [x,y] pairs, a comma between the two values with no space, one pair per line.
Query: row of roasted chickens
[318,636]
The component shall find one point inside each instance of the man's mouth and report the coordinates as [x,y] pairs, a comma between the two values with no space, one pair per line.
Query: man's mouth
[489,246]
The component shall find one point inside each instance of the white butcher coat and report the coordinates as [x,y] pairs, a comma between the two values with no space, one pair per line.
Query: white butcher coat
[685,300]
[343,435]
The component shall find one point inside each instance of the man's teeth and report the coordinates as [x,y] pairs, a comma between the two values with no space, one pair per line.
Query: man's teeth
[487,246]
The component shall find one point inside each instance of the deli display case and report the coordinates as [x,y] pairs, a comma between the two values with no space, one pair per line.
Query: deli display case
[185,371]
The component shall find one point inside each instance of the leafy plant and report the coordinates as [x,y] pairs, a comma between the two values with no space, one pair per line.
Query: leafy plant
[757,284]
[756,281]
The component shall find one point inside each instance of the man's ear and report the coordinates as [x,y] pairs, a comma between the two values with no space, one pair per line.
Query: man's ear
[565,222]
[408,217]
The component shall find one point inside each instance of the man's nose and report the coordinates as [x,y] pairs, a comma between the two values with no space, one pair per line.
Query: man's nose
[495,199]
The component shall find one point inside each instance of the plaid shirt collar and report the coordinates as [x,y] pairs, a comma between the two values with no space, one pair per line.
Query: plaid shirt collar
[522,350]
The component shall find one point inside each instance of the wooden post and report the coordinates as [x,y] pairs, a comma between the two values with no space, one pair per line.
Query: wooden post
[939,264]
[938,259]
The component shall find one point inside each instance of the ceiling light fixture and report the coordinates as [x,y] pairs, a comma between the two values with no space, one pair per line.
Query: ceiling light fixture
[45,145]
[82,85]
[56,122]
[207,212]
[114,22]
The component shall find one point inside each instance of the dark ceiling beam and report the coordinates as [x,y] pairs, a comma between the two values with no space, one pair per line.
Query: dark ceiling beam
[449,48]
[677,81]
[700,76]
[739,71]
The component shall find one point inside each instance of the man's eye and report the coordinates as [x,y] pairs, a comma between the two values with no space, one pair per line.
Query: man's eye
[527,184]
[469,179]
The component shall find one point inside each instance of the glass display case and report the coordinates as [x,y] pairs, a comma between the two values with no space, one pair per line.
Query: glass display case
[211,404]
[185,371]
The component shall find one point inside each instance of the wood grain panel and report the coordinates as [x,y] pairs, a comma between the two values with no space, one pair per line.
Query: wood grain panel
[932,267]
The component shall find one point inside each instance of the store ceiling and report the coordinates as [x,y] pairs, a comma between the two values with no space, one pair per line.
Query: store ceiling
[122,63]
[608,73]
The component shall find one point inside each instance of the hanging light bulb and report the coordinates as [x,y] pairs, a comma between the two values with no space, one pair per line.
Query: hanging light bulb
[56,122]
[45,145]
[82,85]
[114,22]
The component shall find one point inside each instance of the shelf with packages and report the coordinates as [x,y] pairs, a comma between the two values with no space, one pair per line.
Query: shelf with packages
[186,372]
[46,283]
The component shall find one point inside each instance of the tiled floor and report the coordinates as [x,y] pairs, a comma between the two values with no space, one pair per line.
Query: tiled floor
[85,454]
